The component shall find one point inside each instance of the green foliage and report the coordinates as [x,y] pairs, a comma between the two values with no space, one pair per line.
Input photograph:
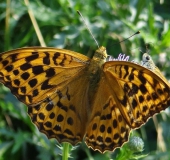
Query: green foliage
[60,25]
[132,149]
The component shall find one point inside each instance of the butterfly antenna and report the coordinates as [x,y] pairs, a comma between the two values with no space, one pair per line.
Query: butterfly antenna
[147,47]
[88,27]
[138,32]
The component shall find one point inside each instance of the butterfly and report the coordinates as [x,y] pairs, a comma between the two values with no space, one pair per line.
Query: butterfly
[71,97]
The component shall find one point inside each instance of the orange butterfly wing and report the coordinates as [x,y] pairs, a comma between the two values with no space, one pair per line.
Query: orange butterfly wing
[128,94]
[29,70]
[44,79]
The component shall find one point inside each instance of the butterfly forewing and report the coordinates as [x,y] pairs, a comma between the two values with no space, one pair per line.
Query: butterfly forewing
[144,93]
[32,74]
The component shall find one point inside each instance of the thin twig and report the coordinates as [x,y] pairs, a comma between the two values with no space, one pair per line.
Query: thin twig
[35,24]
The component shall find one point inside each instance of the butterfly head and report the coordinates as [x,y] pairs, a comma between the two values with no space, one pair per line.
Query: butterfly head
[100,55]
[146,57]
[147,61]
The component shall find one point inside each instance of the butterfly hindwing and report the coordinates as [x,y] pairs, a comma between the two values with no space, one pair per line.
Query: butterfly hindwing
[63,115]
[107,128]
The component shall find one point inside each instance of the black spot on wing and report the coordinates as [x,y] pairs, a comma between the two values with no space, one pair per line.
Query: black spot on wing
[102,128]
[60,118]
[126,70]
[52,115]
[25,66]
[33,82]
[14,57]
[94,127]
[50,72]
[35,92]
[70,121]
[45,85]
[46,59]
[62,62]
[9,68]
[37,69]
[32,57]
[17,82]
[142,78]
[25,75]
[16,72]
[56,55]
[23,89]
[5,62]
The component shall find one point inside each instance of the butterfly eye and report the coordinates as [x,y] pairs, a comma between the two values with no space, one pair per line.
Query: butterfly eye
[147,58]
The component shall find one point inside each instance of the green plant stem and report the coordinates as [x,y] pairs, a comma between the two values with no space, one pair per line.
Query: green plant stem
[66,149]
[35,24]
[88,154]
[7,23]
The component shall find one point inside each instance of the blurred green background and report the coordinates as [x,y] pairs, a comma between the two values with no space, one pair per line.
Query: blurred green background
[110,21]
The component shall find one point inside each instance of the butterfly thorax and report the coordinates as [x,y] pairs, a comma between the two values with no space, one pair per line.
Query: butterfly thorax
[100,56]
[95,68]
[98,60]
